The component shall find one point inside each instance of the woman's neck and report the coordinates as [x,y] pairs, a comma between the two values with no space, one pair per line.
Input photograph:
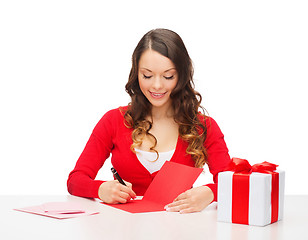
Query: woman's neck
[162,112]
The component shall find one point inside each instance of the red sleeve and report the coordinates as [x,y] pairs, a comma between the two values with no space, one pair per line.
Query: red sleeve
[81,181]
[218,156]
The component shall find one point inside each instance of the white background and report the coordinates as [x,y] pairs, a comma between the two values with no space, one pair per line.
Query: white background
[63,64]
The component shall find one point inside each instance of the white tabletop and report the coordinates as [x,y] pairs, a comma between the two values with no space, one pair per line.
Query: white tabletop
[114,224]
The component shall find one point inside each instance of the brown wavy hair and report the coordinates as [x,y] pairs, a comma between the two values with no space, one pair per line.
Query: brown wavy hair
[185,100]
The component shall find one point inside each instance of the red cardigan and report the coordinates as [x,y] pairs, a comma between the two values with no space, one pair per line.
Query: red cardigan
[110,135]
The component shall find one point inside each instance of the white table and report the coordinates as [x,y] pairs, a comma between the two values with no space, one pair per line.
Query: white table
[114,224]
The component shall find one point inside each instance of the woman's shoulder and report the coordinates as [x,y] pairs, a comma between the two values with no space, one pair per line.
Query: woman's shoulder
[203,118]
[112,117]
[210,123]
[116,112]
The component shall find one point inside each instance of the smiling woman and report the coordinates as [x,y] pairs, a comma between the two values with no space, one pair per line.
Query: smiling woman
[163,119]
[161,53]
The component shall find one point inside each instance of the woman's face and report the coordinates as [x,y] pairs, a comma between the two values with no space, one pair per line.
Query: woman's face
[157,78]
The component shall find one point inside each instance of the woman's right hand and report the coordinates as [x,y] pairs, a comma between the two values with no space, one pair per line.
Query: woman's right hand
[113,192]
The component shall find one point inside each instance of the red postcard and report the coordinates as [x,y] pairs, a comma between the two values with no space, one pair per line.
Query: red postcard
[172,180]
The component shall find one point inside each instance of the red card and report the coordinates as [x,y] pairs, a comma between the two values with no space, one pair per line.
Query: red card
[172,180]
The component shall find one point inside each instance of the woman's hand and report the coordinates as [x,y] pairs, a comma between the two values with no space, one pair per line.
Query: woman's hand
[193,200]
[114,192]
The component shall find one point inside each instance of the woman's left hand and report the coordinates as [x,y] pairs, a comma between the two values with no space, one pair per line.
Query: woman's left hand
[192,200]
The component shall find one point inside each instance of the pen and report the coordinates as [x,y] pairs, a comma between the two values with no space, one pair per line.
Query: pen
[117,176]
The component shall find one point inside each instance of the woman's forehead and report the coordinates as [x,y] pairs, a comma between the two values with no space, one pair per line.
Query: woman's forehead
[153,61]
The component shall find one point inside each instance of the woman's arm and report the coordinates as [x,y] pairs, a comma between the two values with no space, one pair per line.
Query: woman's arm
[81,181]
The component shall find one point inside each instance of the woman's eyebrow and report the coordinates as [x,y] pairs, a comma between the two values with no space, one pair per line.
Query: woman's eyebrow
[146,69]
[164,71]
[170,69]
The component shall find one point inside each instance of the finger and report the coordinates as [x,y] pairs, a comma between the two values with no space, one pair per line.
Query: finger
[176,203]
[120,196]
[128,184]
[119,199]
[125,196]
[181,197]
[188,210]
[128,190]
[116,198]
[177,208]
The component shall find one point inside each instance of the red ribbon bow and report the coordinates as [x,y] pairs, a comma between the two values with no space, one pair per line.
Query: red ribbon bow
[239,165]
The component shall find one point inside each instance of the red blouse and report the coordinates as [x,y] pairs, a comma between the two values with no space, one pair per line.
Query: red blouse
[110,135]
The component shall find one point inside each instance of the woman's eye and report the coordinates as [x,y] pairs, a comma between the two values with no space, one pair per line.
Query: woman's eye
[146,77]
[168,78]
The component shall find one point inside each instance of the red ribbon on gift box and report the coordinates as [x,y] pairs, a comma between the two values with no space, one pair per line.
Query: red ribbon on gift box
[240,188]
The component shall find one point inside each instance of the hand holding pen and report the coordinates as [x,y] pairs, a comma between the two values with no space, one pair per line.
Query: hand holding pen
[116,191]
[117,176]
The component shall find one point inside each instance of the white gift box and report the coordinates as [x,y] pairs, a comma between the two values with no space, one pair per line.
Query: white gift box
[259,205]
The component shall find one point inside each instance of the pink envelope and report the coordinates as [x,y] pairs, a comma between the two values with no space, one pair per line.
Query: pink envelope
[172,180]
[62,207]
[59,210]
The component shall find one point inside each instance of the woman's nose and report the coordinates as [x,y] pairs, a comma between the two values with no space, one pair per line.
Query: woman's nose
[157,84]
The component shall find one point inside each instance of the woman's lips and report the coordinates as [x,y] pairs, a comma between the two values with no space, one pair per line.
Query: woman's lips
[157,95]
